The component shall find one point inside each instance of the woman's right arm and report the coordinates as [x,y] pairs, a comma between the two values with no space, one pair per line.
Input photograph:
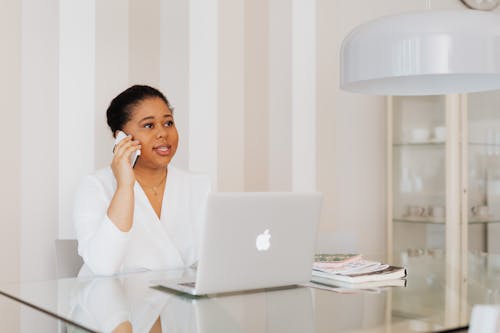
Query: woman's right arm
[121,208]
[102,220]
[101,244]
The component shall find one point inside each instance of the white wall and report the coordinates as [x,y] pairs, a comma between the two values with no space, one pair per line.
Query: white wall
[255,85]
[10,159]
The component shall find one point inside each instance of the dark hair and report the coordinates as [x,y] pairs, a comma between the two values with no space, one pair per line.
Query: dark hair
[120,109]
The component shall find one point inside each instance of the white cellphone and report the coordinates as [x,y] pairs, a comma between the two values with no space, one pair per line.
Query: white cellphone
[119,137]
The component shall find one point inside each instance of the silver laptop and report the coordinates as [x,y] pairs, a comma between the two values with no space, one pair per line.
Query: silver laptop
[253,241]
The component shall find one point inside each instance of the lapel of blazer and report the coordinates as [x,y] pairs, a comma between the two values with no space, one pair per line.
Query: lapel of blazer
[158,235]
[176,213]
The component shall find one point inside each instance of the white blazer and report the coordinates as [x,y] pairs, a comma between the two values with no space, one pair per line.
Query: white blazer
[152,243]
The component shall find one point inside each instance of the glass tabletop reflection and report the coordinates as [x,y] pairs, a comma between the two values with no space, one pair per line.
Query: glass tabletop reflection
[17,317]
[433,300]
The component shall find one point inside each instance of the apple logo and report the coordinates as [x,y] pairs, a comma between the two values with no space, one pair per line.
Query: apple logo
[262,242]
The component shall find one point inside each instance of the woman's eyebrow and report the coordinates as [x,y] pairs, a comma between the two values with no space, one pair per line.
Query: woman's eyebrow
[152,118]
[147,118]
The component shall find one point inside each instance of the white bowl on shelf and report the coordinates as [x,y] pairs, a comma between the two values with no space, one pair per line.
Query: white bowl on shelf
[420,134]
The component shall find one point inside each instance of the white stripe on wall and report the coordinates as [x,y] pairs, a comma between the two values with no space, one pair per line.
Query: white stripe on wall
[76,102]
[203,68]
[304,95]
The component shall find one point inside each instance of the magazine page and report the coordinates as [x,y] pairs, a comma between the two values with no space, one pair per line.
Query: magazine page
[340,289]
[326,282]
[353,268]
[333,261]
[391,272]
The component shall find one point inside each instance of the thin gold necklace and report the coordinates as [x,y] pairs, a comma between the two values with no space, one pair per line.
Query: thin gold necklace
[155,187]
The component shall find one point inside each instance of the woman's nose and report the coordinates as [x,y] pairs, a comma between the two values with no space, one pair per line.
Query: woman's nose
[162,132]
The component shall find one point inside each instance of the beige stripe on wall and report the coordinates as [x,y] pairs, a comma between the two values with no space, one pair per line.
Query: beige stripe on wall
[280,95]
[256,95]
[231,96]
[144,34]
[174,69]
[39,112]
[111,69]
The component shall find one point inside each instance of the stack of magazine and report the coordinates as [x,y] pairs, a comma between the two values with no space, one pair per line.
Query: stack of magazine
[354,271]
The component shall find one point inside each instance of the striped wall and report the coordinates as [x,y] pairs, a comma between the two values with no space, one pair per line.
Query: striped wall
[257,104]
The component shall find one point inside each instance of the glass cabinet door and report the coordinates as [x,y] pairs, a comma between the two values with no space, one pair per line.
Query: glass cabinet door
[418,172]
[483,118]
[425,178]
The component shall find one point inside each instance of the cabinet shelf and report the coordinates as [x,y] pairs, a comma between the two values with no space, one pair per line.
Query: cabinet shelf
[484,144]
[476,220]
[425,220]
[419,144]
[430,220]
[441,144]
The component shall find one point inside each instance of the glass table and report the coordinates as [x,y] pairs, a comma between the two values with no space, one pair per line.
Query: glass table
[17,317]
[435,298]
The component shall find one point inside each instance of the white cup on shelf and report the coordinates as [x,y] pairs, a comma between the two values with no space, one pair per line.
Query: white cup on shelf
[439,133]
[415,211]
[480,211]
[437,211]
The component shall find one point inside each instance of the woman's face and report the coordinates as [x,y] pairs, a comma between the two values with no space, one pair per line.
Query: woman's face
[152,124]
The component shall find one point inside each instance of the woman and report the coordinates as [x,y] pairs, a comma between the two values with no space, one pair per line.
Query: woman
[142,216]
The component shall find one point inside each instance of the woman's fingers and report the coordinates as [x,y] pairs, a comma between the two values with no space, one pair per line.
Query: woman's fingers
[132,149]
[123,143]
[126,148]
[121,163]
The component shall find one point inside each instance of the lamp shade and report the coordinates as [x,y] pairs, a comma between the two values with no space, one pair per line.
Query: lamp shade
[423,53]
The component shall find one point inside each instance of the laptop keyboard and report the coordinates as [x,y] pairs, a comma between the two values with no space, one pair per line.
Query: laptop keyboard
[188,284]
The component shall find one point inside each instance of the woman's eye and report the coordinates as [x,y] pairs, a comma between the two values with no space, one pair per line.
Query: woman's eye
[148,126]
[169,123]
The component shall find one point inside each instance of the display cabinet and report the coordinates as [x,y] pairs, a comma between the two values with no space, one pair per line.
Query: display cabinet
[444,174]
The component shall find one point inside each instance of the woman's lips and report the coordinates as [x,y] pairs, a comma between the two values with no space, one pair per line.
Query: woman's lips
[163,150]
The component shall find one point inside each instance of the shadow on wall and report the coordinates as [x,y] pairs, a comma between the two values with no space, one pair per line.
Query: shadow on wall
[68,262]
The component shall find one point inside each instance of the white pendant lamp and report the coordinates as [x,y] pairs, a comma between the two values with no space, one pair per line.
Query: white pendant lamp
[423,53]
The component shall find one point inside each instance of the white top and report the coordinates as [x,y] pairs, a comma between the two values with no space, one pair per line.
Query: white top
[152,243]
